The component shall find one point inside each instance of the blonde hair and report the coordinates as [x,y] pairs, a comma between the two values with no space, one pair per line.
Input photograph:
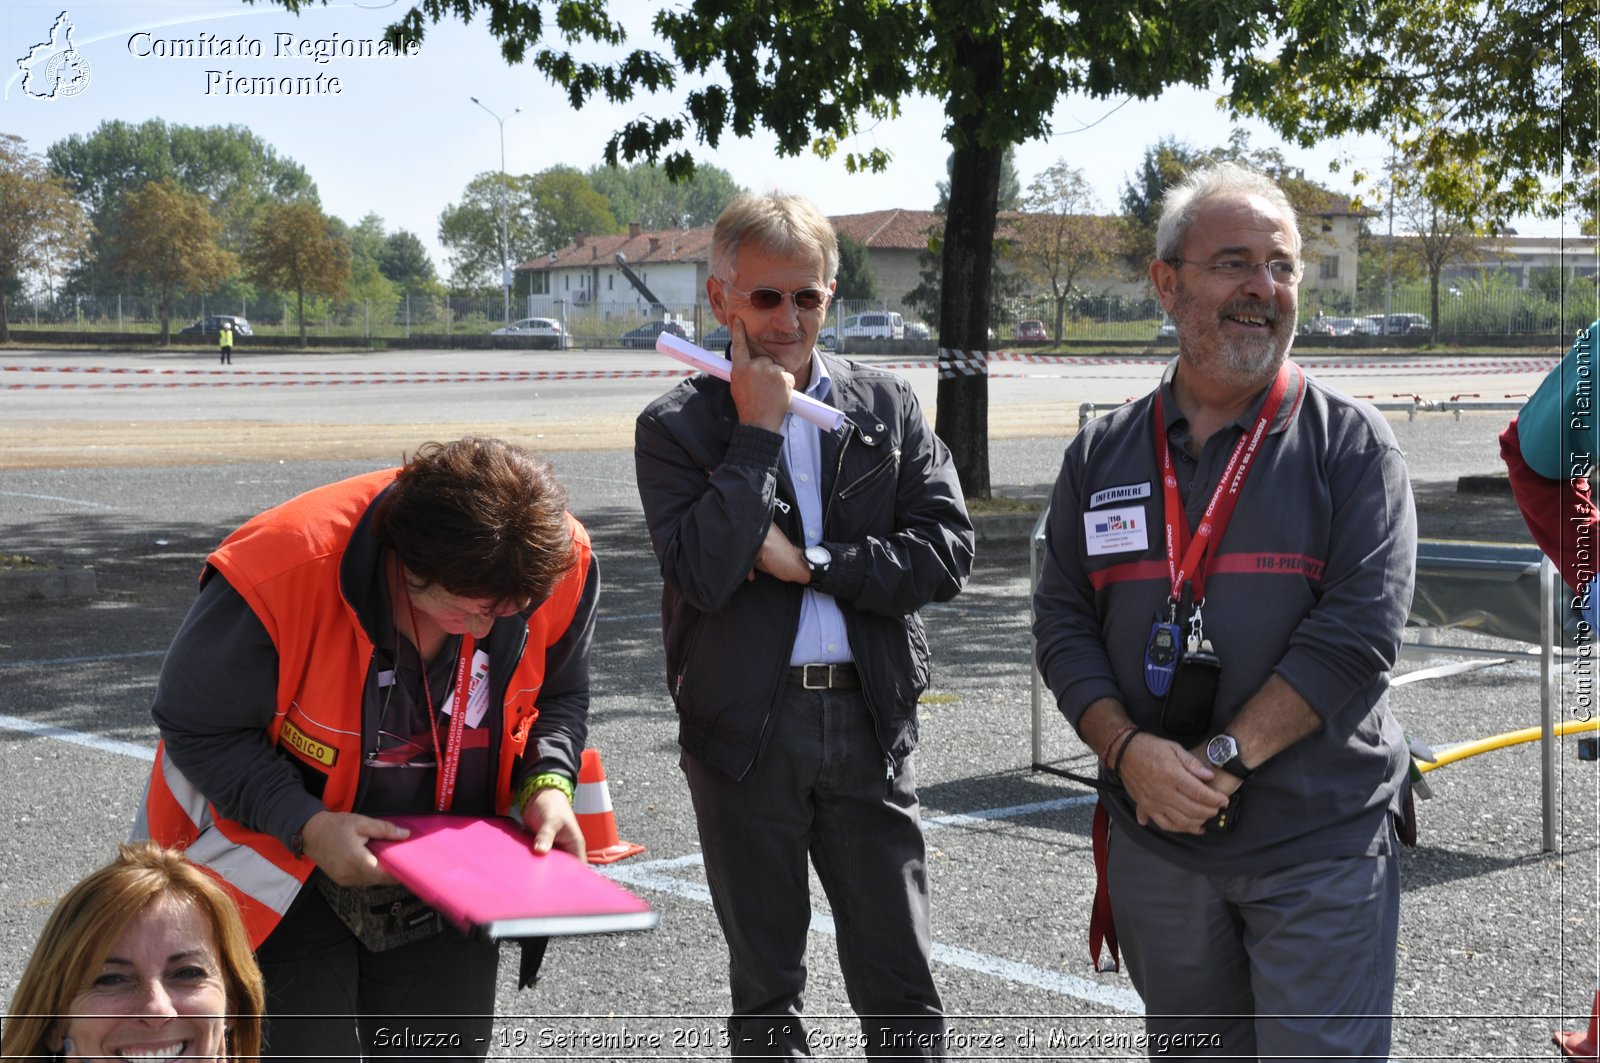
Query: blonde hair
[778,222]
[90,918]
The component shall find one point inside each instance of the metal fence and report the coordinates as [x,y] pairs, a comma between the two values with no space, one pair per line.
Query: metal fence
[1086,316]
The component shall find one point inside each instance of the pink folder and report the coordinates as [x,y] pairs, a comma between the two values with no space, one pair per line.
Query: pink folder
[482,875]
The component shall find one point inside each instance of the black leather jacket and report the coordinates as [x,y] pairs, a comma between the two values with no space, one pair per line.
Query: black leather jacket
[893,518]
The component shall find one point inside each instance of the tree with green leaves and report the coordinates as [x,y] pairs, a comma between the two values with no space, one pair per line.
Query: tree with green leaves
[1059,237]
[167,243]
[233,169]
[644,193]
[42,226]
[1170,159]
[565,203]
[813,74]
[856,278]
[295,248]
[470,230]
[371,295]
[544,211]
[1506,86]
[404,260]
[1164,164]
[1443,217]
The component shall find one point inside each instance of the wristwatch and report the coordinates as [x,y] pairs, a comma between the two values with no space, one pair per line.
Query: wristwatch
[818,558]
[1223,752]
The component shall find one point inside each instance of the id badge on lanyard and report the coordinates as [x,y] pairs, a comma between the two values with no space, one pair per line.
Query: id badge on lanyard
[1181,668]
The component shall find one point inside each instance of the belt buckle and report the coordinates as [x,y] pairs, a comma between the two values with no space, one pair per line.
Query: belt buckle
[826,671]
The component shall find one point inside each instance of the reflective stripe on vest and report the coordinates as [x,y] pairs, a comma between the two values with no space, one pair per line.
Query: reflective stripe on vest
[262,889]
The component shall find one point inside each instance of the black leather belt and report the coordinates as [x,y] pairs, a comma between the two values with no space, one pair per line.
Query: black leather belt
[825,676]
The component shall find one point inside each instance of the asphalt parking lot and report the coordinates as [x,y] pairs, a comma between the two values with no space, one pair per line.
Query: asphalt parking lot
[1497,945]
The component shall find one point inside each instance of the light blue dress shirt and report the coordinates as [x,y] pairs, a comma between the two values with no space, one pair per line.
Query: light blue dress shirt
[822,638]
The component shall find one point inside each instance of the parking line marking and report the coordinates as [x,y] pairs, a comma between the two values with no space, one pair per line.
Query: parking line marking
[50,662]
[77,738]
[57,498]
[645,877]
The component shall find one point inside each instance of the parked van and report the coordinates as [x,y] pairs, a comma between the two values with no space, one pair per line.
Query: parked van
[875,325]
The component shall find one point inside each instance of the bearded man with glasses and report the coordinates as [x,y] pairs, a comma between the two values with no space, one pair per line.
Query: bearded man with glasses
[794,562]
[1228,569]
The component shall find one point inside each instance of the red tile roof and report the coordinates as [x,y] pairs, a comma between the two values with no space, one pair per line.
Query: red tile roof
[881,229]
[671,245]
[899,230]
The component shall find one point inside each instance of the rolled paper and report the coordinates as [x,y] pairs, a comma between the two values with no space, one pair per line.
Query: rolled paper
[820,414]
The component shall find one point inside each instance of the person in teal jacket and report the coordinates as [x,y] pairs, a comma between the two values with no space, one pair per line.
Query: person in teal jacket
[1549,449]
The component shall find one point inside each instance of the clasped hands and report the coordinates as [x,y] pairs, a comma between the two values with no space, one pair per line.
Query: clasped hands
[1173,787]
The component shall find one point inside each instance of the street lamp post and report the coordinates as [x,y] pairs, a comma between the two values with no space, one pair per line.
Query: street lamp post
[505,212]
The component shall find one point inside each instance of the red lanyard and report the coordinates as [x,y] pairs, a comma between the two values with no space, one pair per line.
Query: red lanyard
[1194,548]
[449,762]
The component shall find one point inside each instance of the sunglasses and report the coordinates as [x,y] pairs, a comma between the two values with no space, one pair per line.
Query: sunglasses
[772,298]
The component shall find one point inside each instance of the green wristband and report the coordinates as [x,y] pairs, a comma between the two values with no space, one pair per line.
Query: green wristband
[545,780]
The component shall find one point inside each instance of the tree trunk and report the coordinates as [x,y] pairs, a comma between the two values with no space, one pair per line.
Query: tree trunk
[5,316]
[962,420]
[300,310]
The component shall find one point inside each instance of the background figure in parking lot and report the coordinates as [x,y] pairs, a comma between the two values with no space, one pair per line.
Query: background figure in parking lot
[225,343]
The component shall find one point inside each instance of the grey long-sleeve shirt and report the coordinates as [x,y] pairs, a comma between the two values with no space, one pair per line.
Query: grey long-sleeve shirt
[1312,581]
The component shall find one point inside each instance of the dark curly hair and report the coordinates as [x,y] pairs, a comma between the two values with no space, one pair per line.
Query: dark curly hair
[481,518]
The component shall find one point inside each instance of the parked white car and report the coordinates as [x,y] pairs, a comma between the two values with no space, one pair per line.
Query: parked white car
[534,326]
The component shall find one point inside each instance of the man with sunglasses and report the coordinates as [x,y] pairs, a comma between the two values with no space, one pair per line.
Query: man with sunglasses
[1228,570]
[794,561]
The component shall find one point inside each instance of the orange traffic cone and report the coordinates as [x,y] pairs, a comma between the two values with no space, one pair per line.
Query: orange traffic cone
[592,803]
[1581,1046]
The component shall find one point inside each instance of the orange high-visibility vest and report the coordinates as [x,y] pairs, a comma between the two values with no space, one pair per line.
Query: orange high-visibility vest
[285,564]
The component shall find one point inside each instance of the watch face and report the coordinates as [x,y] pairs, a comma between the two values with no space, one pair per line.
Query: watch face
[818,555]
[1221,749]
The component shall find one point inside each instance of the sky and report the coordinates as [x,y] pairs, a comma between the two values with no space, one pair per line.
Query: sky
[401,137]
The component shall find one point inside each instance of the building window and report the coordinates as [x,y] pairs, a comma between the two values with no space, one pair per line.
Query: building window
[566,282]
[1330,268]
[611,279]
[538,284]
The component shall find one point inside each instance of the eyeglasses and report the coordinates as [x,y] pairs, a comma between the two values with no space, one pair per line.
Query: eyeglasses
[1281,270]
[462,610]
[772,298]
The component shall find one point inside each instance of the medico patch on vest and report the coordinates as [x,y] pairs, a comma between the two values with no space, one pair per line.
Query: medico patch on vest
[307,746]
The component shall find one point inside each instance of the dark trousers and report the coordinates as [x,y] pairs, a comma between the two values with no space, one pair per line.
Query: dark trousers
[821,790]
[330,997]
[1296,963]
[225,355]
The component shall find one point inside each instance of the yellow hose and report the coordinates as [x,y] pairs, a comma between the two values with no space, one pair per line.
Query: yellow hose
[1501,741]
